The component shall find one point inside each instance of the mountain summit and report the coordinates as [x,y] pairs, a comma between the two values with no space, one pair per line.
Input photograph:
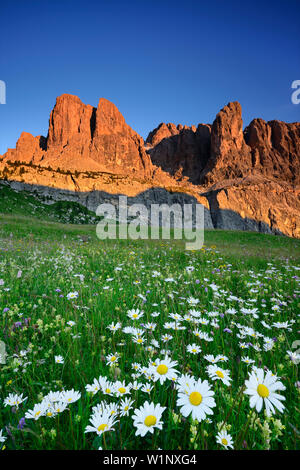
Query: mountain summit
[247,179]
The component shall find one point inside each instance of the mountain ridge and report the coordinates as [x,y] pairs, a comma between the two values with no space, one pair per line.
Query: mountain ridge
[253,172]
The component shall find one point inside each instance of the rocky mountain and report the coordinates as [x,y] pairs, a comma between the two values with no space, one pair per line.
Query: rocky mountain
[246,179]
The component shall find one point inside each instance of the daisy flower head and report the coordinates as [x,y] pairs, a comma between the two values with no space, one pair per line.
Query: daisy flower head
[150,326]
[59,407]
[193,348]
[38,410]
[93,388]
[101,422]
[138,339]
[222,358]
[147,418]
[112,359]
[211,358]
[166,338]
[70,396]
[13,399]
[121,388]
[126,406]
[163,369]
[114,327]
[184,383]
[192,301]
[216,373]
[136,385]
[72,295]
[197,400]
[59,359]
[106,386]
[262,390]
[147,388]
[247,360]
[224,439]
[135,314]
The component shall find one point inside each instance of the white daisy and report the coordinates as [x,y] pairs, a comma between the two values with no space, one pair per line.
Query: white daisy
[163,369]
[101,422]
[197,400]
[224,439]
[262,390]
[216,373]
[147,418]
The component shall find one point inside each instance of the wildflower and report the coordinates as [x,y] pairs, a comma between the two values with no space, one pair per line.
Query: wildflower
[38,410]
[216,373]
[197,399]
[112,359]
[224,439]
[59,359]
[147,418]
[126,406]
[101,422]
[13,399]
[193,348]
[72,295]
[70,396]
[135,314]
[262,390]
[114,327]
[121,388]
[147,388]
[163,370]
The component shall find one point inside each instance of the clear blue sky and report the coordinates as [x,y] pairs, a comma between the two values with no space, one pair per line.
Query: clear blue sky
[172,61]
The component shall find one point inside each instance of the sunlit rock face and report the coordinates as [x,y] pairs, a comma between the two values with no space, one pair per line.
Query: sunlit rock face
[246,179]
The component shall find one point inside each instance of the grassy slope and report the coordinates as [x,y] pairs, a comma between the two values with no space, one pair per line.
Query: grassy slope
[49,254]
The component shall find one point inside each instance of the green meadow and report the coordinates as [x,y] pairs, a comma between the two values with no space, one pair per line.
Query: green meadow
[86,325]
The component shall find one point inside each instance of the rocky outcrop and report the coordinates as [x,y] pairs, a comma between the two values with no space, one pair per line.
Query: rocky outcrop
[256,204]
[180,150]
[245,179]
[230,156]
[275,148]
[115,146]
[84,138]
[28,149]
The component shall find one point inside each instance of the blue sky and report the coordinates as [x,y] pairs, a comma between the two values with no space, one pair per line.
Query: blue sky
[157,61]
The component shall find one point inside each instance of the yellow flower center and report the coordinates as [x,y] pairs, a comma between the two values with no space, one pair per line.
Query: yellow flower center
[134,315]
[113,358]
[102,427]
[139,340]
[162,369]
[150,421]
[195,398]
[122,390]
[37,413]
[126,408]
[224,441]
[107,390]
[220,374]
[263,391]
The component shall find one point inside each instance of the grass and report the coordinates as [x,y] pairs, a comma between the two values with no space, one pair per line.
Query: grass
[43,260]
